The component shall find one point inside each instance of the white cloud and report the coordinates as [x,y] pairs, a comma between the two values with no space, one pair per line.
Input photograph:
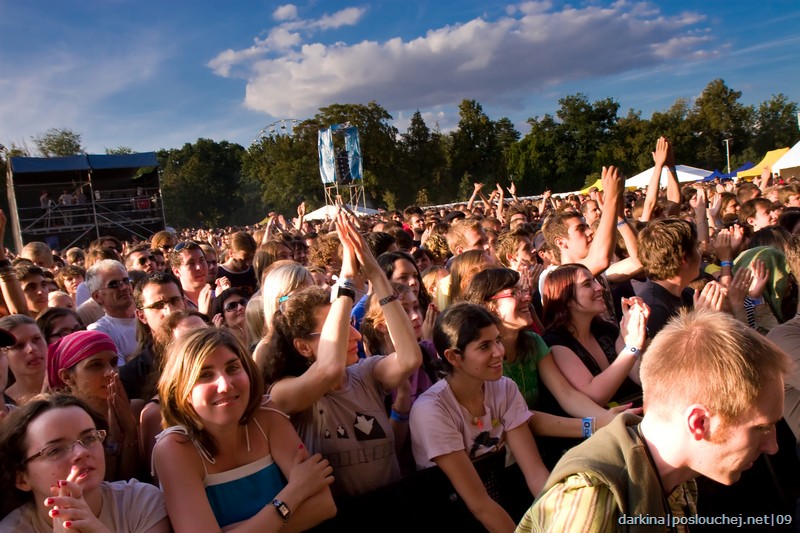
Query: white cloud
[501,60]
[285,12]
[281,38]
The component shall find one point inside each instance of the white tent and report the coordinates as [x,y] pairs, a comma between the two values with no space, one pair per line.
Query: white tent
[685,173]
[329,212]
[789,161]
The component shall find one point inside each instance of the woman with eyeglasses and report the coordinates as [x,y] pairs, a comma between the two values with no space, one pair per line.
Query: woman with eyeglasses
[228,311]
[53,469]
[58,322]
[84,364]
[27,359]
[597,357]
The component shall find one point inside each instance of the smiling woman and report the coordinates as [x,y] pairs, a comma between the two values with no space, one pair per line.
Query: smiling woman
[227,452]
[52,474]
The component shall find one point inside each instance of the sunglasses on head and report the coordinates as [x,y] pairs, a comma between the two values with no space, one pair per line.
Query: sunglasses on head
[232,306]
[181,245]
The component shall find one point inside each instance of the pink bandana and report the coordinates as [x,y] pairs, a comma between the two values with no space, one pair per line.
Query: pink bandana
[70,350]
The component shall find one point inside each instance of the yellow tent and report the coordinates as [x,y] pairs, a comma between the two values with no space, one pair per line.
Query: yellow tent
[597,184]
[769,159]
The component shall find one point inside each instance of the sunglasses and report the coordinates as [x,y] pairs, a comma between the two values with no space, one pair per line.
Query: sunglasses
[232,306]
[160,305]
[144,260]
[181,245]
[119,283]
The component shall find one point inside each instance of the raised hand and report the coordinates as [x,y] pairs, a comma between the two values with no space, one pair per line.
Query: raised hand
[478,187]
[430,321]
[69,509]
[712,297]
[662,151]
[612,184]
[759,279]
[513,189]
[740,284]
[301,209]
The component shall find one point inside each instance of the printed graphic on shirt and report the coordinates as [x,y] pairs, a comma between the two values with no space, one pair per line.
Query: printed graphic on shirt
[483,440]
[366,428]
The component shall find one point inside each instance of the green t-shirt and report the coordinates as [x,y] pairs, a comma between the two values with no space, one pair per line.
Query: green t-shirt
[525,368]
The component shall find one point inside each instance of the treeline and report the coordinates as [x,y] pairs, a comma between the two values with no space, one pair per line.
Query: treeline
[221,183]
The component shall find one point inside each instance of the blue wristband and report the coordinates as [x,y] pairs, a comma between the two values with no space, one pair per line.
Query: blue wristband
[397,417]
[588,427]
[723,264]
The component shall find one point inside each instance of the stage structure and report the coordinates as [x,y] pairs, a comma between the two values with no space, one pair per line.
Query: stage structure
[65,201]
[340,167]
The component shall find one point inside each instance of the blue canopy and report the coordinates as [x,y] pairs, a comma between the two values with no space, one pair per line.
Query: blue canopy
[32,165]
[732,174]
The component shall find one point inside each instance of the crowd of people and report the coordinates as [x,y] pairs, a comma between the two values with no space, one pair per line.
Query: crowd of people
[593,354]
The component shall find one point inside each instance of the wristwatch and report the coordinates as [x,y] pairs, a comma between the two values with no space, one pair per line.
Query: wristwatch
[282,509]
[339,290]
[631,350]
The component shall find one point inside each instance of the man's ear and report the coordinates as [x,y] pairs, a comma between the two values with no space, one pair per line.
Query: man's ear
[560,242]
[140,316]
[97,296]
[698,422]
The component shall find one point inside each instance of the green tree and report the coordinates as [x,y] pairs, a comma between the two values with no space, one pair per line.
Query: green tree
[775,125]
[200,183]
[717,114]
[474,148]
[57,142]
[282,171]
[421,161]
[119,150]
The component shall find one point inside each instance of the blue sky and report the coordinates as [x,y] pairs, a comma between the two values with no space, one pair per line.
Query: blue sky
[153,75]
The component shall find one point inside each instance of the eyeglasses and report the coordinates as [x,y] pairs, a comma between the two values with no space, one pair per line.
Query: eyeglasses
[63,332]
[56,452]
[144,260]
[516,292]
[119,283]
[232,306]
[160,305]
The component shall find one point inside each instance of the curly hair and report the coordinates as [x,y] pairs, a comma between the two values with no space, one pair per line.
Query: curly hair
[663,246]
[436,244]
[295,319]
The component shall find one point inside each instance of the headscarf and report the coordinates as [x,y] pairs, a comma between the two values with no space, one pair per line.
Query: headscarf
[70,350]
[778,280]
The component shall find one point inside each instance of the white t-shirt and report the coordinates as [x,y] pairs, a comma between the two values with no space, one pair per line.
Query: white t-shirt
[128,506]
[122,331]
[440,425]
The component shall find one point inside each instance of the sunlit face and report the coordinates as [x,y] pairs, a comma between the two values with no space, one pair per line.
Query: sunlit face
[157,302]
[143,261]
[116,291]
[523,254]
[411,307]
[63,326]
[417,223]
[213,265]
[513,307]
[89,379]
[36,289]
[404,272]
[71,284]
[734,448]
[482,359]
[579,238]
[764,217]
[233,310]
[61,426]
[222,390]
[476,240]
[29,355]
[588,295]
[193,271]
[284,253]
[591,212]
[423,262]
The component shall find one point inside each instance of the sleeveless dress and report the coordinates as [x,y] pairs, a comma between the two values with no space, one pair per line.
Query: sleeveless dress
[240,493]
